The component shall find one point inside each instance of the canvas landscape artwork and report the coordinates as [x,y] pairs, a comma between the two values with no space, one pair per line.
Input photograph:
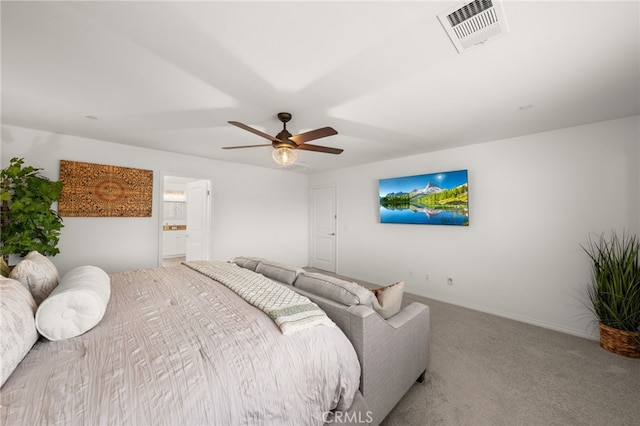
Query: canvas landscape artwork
[429,199]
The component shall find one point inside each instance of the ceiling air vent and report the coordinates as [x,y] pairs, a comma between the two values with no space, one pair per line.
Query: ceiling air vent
[474,23]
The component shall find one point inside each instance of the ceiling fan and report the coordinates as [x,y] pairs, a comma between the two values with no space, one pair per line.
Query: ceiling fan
[285,143]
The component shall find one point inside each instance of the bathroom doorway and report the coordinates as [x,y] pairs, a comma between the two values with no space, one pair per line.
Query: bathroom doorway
[184,219]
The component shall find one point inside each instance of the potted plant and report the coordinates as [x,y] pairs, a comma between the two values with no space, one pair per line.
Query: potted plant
[614,291]
[27,221]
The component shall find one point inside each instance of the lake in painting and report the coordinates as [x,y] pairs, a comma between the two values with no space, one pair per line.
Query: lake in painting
[431,199]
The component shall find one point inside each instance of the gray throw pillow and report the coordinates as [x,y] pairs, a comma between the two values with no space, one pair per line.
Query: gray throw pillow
[345,292]
[247,262]
[278,271]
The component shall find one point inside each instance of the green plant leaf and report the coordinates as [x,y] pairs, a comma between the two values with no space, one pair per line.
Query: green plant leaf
[614,291]
[27,222]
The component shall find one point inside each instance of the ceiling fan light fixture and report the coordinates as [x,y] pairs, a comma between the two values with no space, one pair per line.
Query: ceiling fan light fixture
[284,156]
[285,145]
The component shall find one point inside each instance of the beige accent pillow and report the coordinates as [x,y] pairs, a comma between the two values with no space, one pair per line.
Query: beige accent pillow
[38,274]
[388,300]
[17,325]
[4,268]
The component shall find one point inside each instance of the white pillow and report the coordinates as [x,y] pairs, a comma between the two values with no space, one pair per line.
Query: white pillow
[17,328]
[76,305]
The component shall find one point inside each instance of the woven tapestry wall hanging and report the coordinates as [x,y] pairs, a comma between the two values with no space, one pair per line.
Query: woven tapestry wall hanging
[96,190]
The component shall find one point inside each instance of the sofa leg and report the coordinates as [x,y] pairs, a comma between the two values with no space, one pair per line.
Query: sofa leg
[421,377]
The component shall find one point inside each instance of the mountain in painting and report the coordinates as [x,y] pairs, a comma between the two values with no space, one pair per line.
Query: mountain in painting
[431,188]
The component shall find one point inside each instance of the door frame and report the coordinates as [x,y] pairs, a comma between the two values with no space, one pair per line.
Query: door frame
[160,203]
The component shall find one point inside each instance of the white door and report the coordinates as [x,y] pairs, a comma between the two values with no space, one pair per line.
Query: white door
[198,220]
[323,228]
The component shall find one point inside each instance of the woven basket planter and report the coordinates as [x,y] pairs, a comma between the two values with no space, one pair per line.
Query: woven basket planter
[625,343]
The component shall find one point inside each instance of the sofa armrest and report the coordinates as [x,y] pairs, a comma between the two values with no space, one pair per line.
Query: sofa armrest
[407,314]
[393,353]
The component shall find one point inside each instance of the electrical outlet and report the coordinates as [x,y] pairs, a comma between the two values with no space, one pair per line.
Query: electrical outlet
[426,277]
[410,274]
[449,281]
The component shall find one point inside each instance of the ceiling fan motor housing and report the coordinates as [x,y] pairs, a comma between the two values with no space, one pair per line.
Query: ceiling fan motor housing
[284,136]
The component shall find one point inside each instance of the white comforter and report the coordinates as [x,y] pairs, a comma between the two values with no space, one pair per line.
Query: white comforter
[176,347]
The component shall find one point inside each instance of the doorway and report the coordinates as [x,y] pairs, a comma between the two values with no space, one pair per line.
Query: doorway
[184,219]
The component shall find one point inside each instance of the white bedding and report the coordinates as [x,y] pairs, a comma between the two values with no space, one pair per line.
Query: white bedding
[175,347]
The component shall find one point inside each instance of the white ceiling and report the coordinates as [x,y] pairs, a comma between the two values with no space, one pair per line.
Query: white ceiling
[169,75]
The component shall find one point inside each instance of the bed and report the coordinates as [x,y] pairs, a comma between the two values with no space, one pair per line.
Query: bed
[174,346]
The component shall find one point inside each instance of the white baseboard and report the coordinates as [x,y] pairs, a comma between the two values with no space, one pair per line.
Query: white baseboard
[515,317]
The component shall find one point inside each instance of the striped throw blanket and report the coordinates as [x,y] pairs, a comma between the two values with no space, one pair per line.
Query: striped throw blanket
[290,311]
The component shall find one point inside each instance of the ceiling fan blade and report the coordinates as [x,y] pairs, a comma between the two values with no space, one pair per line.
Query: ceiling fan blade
[254,131]
[313,134]
[246,146]
[318,148]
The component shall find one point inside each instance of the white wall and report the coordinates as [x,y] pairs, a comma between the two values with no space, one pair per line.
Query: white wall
[248,204]
[533,200]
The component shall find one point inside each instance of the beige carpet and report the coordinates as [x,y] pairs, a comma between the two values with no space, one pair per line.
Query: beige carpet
[488,370]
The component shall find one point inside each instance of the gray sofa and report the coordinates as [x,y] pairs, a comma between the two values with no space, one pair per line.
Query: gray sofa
[393,352]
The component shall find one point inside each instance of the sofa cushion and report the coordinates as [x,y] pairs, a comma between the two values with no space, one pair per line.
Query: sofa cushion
[345,292]
[278,271]
[17,326]
[38,274]
[76,305]
[246,262]
[388,300]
